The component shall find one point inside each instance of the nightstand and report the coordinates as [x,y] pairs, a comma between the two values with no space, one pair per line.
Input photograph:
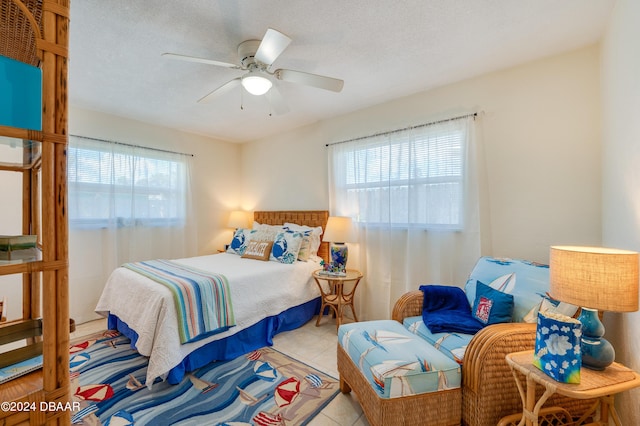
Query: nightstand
[337,297]
[602,385]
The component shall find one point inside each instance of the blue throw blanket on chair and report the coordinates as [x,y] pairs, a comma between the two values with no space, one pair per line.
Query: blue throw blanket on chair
[446,309]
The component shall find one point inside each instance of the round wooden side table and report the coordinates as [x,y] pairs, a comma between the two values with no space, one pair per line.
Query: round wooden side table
[337,297]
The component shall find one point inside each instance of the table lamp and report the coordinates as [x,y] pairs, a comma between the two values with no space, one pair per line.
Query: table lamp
[339,230]
[595,278]
[237,219]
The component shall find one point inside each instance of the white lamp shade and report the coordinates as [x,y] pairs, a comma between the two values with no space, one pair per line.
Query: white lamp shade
[256,85]
[237,219]
[339,229]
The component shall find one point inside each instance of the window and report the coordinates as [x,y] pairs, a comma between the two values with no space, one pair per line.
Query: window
[413,177]
[113,184]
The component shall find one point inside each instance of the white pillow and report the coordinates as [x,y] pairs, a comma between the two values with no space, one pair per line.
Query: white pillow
[313,232]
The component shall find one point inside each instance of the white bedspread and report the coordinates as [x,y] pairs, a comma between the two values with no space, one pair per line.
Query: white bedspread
[258,290]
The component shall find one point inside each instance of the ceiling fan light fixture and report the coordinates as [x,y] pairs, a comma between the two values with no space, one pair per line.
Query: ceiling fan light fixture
[256,85]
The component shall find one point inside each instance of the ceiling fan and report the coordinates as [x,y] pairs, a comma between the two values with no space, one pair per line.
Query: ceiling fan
[256,57]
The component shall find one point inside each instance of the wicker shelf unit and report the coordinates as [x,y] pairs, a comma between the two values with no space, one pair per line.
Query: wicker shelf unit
[35,32]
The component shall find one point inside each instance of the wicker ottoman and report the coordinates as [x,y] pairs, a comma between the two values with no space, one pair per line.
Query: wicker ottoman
[399,378]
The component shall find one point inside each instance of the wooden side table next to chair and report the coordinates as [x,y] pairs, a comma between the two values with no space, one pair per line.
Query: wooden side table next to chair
[602,385]
[337,297]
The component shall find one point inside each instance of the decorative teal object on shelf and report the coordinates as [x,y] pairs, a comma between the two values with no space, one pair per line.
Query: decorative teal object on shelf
[21,94]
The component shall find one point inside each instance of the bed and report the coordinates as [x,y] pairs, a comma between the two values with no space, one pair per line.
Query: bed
[267,298]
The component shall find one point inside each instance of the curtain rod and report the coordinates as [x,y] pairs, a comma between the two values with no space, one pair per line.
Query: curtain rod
[475,114]
[132,145]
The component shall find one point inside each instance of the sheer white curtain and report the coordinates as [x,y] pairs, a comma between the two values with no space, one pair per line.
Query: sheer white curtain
[413,194]
[126,203]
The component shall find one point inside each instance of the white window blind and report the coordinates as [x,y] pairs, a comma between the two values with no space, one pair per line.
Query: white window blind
[413,177]
[112,184]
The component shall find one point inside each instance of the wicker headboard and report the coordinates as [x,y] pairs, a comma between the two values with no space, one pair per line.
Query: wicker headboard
[311,218]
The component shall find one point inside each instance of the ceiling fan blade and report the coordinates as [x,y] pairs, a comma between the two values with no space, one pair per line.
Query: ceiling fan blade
[200,60]
[319,81]
[277,101]
[272,45]
[225,88]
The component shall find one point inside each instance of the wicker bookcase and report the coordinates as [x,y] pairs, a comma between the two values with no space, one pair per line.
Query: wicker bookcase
[35,32]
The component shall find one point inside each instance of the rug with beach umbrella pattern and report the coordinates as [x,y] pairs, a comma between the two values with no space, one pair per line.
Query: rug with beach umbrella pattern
[264,387]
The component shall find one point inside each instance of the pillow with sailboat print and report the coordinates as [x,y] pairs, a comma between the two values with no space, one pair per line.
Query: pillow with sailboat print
[527,281]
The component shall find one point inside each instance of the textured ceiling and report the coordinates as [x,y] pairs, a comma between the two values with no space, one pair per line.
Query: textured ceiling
[382,49]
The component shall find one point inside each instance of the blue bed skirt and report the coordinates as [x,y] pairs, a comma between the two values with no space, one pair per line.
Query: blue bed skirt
[255,337]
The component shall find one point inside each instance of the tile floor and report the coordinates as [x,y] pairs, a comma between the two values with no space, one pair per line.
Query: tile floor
[315,346]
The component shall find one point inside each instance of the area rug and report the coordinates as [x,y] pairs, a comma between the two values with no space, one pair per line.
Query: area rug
[264,387]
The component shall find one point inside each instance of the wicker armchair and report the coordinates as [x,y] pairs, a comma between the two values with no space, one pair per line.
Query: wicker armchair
[488,389]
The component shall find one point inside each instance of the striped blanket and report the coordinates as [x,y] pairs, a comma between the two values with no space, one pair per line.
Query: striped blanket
[203,299]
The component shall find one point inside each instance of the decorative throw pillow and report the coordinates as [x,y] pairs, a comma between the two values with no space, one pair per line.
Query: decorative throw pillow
[259,250]
[262,232]
[305,248]
[239,241]
[286,247]
[492,306]
[314,234]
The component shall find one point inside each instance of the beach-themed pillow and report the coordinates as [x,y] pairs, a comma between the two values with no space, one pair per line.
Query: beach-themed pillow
[314,233]
[263,232]
[239,241]
[259,250]
[492,306]
[305,248]
[286,247]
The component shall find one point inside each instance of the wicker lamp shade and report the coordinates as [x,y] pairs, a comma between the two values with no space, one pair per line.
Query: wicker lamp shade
[594,277]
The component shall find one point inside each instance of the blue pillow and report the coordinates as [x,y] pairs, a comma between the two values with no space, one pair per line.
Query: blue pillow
[492,306]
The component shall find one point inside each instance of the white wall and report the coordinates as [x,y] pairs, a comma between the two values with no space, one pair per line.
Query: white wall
[621,175]
[215,193]
[541,141]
